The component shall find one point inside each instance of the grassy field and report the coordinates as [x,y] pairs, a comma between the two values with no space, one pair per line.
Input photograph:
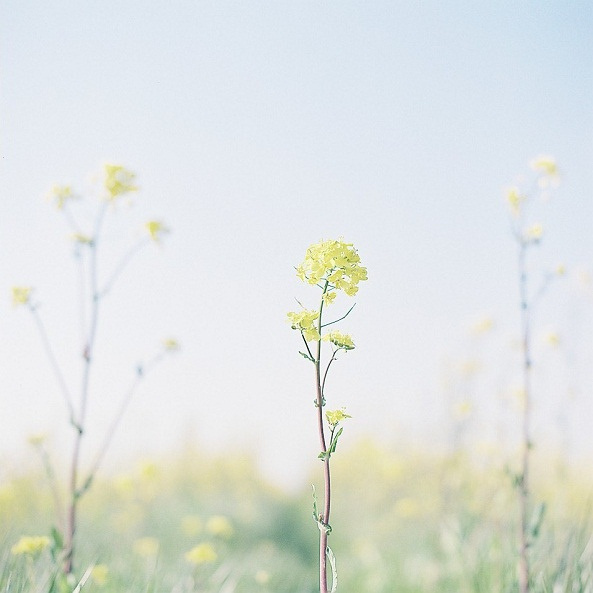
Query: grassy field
[402,522]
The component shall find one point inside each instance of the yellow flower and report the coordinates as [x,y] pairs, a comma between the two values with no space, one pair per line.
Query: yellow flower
[220,526]
[545,164]
[262,577]
[334,417]
[553,339]
[99,573]
[560,270]
[335,262]
[21,295]
[118,181]
[201,554]
[146,546]
[60,194]
[514,199]
[534,232]
[343,341]
[304,322]
[171,345]
[82,239]
[482,326]
[329,297]
[30,545]
[36,440]
[156,229]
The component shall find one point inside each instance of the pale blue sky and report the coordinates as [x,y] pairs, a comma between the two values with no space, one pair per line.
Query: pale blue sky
[256,128]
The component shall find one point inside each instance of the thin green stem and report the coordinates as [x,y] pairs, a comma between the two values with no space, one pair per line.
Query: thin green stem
[121,266]
[338,320]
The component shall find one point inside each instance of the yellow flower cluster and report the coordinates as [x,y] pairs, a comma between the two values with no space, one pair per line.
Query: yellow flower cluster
[515,199]
[202,554]
[21,295]
[343,341]
[545,164]
[60,194]
[334,262]
[156,229]
[30,545]
[304,322]
[534,232]
[334,417]
[118,181]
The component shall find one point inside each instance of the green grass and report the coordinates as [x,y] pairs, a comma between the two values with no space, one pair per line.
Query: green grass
[406,523]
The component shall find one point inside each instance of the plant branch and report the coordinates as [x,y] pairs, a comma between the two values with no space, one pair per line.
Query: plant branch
[338,320]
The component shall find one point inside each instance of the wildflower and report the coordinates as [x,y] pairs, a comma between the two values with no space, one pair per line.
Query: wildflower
[547,170]
[21,295]
[156,230]
[304,322]
[334,262]
[36,440]
[545,164]
[201,554]
[171,345]
[219,525]
[82,239]
[146,546]
[334,417]
[329,297]
[118,181]
[483,325]
[60,194]
[514,199]
[343,341]
[30,545]
[99,573]
[560,270]
[552,339]
[534,232]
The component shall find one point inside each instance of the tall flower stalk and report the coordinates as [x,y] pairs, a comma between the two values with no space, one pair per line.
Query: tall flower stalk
[117,182]
[528,234]
[332,266]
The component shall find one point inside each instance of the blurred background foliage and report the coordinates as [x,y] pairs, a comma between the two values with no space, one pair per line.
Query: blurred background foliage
[403,520]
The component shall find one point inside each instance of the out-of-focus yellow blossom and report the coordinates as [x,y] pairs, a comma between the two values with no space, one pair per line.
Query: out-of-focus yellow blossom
[220,526]
[60,194]
[463,410]
[82,239]
[191,525]
[329,297]
[30,545]
[334,417]
[534,232]
[333,261]
[36,439]
[483,325]
[514,199]
[560,270]
[548,169]
[124,485]
[149,470]
[545,163]
[171,345]
[262,577]
[202,554]
[304,322]
[552,339]
[21,295]
[469,367]
[519,397]
[343,341]
[146,546]
[99,573]
[156,229]
[118,181]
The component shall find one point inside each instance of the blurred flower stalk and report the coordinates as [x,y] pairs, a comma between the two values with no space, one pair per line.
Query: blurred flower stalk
[116,183]
[528,234]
